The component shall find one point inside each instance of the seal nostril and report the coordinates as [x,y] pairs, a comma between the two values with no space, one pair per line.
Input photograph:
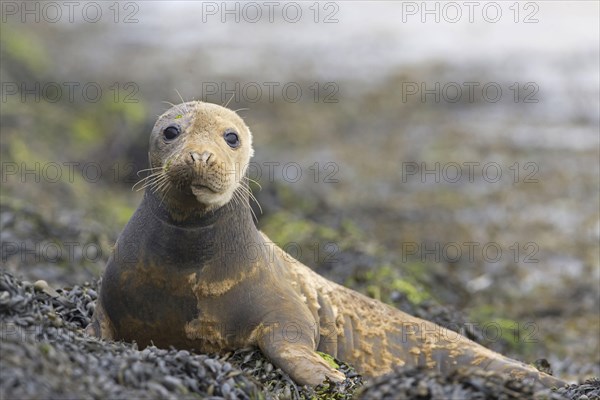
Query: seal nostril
[205,156]
[201,157]
[195,156]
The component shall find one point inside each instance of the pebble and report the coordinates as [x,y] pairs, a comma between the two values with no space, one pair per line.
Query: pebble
[46,366]
[42,286]
[409,383]
[51,357]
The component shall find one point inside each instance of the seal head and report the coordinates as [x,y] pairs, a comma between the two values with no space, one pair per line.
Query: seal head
[199,153]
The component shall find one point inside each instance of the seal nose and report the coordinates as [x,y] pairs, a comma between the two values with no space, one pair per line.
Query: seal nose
[202,157]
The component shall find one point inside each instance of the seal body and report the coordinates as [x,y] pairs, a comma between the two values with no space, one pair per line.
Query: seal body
[191,270]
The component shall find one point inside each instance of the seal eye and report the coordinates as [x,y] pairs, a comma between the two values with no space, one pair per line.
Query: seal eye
[232,139]
[171,132]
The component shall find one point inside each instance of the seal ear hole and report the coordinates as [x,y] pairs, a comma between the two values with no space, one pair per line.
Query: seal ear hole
[171,132]
[232,138]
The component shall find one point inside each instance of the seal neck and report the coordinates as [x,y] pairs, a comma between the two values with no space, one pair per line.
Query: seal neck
[218,237]
[198,218]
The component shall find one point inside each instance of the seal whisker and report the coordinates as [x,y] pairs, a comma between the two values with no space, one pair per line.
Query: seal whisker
[240,201]
[159,186]
[162,184]
[183,102]
[236,199]
[148,169]
[151,184]
[149,180]
[253,181]
[143,186]
[144,181]
[155,186]
[257,203]
[239,195]
[156,181]
[164,195]
[251,196]
[171,104]
[229,101]
[181,111]
[150,176]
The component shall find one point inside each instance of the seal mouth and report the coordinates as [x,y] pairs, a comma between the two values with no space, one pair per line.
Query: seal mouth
[205,194]
[199,186]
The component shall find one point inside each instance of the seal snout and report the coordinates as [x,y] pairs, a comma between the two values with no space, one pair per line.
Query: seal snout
[205,175]
[203,157]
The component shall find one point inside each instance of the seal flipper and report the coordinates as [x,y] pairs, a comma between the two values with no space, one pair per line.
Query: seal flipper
[518,370]
[101,326]
[298,358]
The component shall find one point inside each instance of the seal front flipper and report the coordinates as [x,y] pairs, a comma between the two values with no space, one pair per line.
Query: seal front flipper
[297,357]
[100,326]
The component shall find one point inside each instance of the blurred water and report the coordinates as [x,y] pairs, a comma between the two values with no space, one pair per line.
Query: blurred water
[188,44]
[371,39]
[368,41]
